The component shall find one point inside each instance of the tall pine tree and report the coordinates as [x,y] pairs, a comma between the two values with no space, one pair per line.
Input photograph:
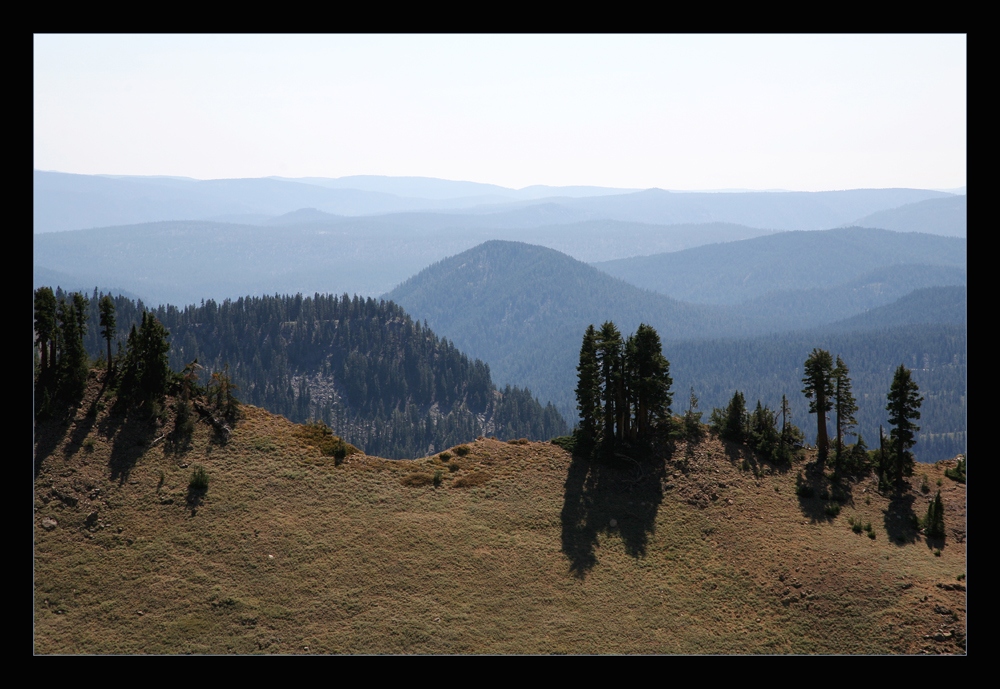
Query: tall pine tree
[588,388]
[819,390]
[845,406]
[904,408]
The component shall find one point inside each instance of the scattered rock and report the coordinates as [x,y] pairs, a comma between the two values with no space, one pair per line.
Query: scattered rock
[942,610]
[49,523]
[91,519]
[613,523]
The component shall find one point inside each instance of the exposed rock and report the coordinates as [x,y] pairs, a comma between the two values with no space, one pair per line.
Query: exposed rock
[48,523]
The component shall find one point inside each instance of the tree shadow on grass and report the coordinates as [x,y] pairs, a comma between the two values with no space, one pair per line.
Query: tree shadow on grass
[132,434]
[195,497]
[819,498]
[900,521]
[618,495]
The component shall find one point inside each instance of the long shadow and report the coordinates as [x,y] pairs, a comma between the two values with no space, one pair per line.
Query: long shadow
[132,433]
[819,498]
[51,423]
[900,521]
[618,495]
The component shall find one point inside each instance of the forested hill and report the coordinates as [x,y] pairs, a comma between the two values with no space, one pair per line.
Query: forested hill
[379,379]
[734,272]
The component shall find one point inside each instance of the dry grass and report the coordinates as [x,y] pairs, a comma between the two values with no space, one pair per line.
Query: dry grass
[286,552]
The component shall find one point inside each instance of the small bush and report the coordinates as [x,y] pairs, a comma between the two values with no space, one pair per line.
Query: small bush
[199,478]
[445,456]
[804,491]
[319,435]
[88,444]
[937,552]
[438,475]
[961,577]
[519,441]
[462,450]
[454,466]
[871,535]
[832,510]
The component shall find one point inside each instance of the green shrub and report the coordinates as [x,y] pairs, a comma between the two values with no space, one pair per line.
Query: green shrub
[934,521]
[199,478]
[88,444]
[832,509]
[445,456]
[957,473]
[924,486]
[438,475]
[462,450]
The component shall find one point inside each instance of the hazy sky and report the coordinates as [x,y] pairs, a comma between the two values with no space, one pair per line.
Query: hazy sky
[675,112]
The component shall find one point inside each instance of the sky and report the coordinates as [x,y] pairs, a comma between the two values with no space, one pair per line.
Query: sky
[684,112]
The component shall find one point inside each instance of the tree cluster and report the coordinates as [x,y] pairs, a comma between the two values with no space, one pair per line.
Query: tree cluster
[62,365]
[623,386]
[828,387]
[758,429]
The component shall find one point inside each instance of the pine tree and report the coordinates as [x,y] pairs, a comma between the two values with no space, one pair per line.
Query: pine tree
[692,418]
[108,324]
[731,423]
[146,371]
[609,356]
[845,406]
[45,323]
[588,389]
[934,521]
[819,390]
[73,363]
[904,408]
[648,374]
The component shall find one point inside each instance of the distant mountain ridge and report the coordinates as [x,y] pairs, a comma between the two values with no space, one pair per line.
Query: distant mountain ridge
[947,216]
[64,201]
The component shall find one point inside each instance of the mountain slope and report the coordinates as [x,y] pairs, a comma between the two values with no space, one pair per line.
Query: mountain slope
[947,216]
[384,383]
[734,272]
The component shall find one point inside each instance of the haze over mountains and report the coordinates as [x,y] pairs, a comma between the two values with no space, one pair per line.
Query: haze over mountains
[67,202]
[504,273]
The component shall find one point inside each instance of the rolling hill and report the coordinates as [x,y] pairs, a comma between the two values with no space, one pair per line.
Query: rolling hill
[514,548]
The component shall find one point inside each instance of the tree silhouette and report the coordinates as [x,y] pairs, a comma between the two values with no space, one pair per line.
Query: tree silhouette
[819,389]
[904,408]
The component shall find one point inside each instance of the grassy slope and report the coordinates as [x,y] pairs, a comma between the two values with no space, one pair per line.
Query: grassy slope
[288,553]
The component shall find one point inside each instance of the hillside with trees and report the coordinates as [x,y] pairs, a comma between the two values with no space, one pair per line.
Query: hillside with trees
[518,306]
[383,381]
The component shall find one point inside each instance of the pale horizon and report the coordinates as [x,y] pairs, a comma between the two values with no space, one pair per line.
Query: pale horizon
[680,113]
